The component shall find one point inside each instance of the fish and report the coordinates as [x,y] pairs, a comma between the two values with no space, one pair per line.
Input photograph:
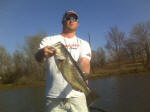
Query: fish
[71,72]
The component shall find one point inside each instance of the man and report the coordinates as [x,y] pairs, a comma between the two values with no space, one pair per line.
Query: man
[60,97]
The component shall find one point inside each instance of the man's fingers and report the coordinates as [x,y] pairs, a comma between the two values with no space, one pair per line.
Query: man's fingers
[48,51]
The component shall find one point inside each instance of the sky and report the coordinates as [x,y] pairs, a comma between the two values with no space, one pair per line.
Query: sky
[22,18]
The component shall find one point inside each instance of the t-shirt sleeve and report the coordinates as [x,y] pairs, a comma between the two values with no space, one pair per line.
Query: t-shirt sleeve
[45,42]
[85,50]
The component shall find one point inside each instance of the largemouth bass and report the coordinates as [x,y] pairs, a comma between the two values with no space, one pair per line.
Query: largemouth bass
[72,73]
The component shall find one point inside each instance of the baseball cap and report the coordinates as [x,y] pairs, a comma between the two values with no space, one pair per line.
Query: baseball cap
[70,12]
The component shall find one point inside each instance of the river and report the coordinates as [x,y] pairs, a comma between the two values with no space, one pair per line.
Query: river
[118,94]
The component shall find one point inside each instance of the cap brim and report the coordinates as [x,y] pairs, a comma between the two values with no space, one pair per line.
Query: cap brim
[71,13]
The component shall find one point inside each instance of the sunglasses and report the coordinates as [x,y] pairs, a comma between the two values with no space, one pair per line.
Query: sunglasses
[70,18]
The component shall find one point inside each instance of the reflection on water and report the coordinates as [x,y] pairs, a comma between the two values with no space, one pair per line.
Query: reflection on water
[24,100]
[126,94]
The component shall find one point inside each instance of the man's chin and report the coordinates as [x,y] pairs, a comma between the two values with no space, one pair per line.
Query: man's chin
[73,29]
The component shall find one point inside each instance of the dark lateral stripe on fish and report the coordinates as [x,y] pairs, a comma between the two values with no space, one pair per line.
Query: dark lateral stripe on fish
[75,63]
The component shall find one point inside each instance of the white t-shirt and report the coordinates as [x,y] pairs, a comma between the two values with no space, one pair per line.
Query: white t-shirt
[56,85]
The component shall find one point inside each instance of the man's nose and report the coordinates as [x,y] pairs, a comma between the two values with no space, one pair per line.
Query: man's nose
[71,21]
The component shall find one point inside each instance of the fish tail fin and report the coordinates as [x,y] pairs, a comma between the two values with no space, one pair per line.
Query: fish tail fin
[91,97]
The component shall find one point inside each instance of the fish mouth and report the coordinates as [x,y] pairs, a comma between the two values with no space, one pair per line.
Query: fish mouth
[60,58]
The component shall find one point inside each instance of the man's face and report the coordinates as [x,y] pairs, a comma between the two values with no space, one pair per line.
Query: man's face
[70,24]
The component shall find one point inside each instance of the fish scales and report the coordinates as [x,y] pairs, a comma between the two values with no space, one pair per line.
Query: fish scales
[71,72]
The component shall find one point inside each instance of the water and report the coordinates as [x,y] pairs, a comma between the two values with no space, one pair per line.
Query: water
[125,94]
[23,100]
[118,94]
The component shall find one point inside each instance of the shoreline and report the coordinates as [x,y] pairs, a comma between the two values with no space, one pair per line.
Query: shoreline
[97,76]
[4,87]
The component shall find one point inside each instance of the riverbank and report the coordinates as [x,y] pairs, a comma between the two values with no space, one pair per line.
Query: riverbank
[112,69]
[107,75]
[21,86]
[96,76]
[124,69]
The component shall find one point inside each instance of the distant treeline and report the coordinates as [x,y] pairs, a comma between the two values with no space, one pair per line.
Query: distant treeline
[21,67]
[121,48]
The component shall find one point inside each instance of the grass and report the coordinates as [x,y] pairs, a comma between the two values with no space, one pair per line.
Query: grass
[21,86]
[111,70]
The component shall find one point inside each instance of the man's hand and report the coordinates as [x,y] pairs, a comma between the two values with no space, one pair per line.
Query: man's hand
[46,52]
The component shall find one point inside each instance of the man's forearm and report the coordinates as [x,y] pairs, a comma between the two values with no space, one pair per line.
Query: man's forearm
[85,65]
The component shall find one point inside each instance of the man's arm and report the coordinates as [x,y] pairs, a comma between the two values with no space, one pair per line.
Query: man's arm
[44,53]
[84,65]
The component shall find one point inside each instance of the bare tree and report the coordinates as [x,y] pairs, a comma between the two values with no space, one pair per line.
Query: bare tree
[141,34]
[33,67]
[93,61]
[19,62]
[5,66]
[114,45]
[100,57]
[93,54]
